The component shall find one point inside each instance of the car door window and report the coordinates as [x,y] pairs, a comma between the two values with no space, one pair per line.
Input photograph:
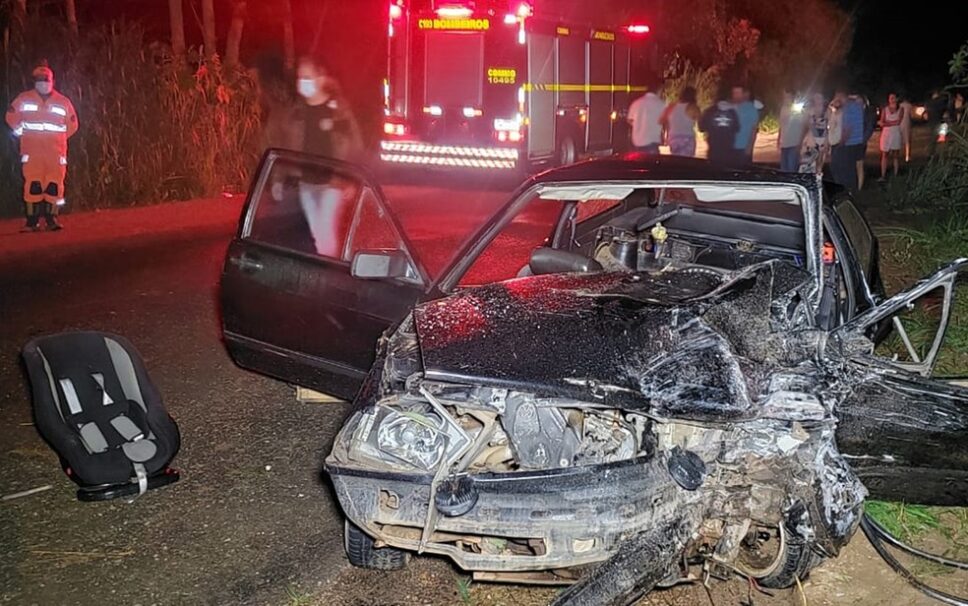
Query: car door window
[307,209]
[510,251]
[908,329]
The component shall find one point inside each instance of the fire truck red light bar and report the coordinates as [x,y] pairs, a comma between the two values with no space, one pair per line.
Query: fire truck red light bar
[454,12]
[638,29]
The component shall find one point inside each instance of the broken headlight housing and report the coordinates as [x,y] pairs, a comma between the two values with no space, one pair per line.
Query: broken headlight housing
[409,439]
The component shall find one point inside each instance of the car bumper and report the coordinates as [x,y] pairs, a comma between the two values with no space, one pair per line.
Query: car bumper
[566,517]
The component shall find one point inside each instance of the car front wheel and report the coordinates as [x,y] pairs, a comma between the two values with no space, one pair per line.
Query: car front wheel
[361,550]
[776,557]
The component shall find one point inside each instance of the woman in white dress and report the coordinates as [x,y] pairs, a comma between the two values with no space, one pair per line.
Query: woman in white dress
[892,139]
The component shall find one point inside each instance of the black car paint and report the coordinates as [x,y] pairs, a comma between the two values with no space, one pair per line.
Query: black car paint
[278,305]
[620,340]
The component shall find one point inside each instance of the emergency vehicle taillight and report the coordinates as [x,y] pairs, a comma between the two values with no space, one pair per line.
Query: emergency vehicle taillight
[395,129]
[638,29]
[508,131]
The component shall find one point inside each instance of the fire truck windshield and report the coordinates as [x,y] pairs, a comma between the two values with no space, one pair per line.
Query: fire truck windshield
[454,68]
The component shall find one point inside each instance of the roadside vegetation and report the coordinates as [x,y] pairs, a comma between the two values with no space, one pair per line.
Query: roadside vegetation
[934,196]
[153,126]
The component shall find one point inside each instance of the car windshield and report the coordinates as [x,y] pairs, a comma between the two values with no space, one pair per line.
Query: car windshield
[629,227]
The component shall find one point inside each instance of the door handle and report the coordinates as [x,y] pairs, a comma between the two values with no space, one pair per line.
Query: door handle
[247,263]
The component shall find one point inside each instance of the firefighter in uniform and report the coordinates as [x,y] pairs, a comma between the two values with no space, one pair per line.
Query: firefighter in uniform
[44,120]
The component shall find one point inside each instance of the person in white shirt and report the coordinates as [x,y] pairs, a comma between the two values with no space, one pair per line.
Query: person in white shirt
[840,164]
[645,115]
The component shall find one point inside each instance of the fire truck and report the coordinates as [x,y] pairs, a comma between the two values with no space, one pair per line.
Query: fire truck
[471,85]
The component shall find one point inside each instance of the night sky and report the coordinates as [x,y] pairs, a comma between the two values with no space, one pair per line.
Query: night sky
[905,47]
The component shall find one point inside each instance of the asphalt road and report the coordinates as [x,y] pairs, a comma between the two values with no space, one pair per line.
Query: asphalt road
[251,517]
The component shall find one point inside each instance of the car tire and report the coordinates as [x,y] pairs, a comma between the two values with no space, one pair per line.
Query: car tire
[567,152]
[362,552]
[794,559]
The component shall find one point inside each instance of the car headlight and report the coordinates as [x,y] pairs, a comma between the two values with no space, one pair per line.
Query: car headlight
[414,439]
[406,438]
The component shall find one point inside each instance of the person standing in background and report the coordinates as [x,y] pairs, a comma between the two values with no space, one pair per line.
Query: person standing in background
[720,123]
[679,121]
[748,111]
[815,149]
[907,110]
[891,138]
[835,122]
[793,129]
[644,116]
[853,139]
[43,120]
[323,126]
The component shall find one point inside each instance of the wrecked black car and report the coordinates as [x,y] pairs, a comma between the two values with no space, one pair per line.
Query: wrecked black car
[637,369]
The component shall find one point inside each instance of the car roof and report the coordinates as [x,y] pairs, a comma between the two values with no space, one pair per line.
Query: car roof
[636,166]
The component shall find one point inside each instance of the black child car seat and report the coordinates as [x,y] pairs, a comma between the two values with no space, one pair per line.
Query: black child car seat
[96,407]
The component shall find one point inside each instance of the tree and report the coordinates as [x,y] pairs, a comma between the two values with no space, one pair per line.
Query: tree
[176,19]
[232,46]
[71,10]
[288,38]
[208,27]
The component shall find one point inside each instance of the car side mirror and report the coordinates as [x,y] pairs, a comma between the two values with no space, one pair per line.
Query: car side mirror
[546,260]
[382,264]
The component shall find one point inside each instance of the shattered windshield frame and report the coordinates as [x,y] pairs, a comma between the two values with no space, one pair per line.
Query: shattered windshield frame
[809,200]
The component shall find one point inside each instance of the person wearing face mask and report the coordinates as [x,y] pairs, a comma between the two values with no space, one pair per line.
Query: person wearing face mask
[43,120]
[324,122]
[323,125]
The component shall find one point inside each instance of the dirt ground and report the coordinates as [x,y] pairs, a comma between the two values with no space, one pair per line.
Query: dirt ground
[859,576]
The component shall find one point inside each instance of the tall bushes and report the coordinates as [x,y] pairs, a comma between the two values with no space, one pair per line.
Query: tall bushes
[152,127]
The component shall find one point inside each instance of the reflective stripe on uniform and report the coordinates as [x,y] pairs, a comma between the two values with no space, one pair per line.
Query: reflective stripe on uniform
[60,111]
[63,161]
[45,126]
[25,158]
[29,107]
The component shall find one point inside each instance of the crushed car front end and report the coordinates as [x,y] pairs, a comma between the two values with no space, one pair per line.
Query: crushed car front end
[534,461]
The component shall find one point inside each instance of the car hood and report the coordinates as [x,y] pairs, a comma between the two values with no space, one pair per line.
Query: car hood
[689,343]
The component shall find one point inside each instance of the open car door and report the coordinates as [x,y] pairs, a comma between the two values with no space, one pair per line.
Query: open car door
[905,433]
[318,271]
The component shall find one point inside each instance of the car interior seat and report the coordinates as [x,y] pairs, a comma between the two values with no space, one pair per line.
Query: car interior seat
[97,408]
